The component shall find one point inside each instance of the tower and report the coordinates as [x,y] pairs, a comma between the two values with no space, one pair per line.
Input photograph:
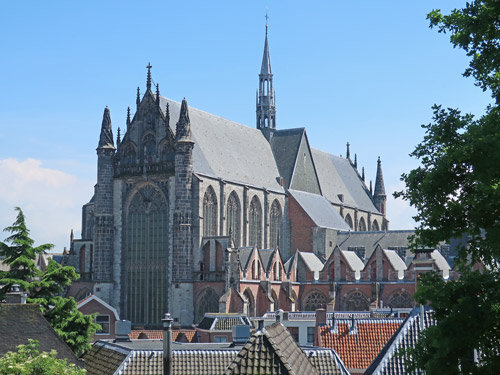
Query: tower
[379,195]
[266,106]
[103,225]
[182,254]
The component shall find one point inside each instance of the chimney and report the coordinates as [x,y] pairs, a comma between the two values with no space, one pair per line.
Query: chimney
[260,327]
[320,317]
[279,315]
[16,295]
[122,330]
[167,344]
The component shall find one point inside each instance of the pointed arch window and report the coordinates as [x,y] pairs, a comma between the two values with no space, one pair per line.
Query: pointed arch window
[208,302]
[375,226]
[147,241]
[149,148]
[356,301]
[255,222]
[210,213]
[315,300]
[348,220]
[275,224]
[362,225]
[234,218]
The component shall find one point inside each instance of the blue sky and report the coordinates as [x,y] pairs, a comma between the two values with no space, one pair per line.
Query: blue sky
[359,71]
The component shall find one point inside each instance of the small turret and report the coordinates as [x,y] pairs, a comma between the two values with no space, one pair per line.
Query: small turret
[356,161]
[167,116]
[379,195]
[138,98]
[183,128]
[128,117]
[118,138]
[106,137]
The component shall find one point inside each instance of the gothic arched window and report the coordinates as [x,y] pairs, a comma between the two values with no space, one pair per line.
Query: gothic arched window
[275,225]
[234,218]
[250,302]
[362,225]
[356,301]
[375,226]
[128,154]
[149,148]
[147,256]
[348,220]
[255,222]
[315,300]
[401,299]
[210,213]
[208,302]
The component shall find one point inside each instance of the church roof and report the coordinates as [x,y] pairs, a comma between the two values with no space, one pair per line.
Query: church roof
[353,260]
[337,176]
[228,150]
[285,145]
[319,210]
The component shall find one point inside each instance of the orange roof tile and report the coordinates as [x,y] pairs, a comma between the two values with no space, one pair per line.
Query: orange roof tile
[157,334]
[358,347]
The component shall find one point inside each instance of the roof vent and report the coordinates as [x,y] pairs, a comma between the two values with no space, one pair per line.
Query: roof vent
[122,330]
[241,334]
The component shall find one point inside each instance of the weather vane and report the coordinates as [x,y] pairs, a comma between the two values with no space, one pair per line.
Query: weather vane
[267,17]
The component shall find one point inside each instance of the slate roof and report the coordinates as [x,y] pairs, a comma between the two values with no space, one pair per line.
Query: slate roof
[370,240]
[228,150]
[388,361]
[266,256]
[271,350]
[326,361]
[320,210]
[441,263]
[285,145]
[20,322]
[359,344]
[337,176]
[245,253]
[100,360]
[354,261]
[222,322]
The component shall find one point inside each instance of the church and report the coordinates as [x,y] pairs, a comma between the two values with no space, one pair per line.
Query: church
[193,213]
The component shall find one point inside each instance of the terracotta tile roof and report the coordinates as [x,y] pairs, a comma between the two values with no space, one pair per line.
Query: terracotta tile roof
[388,362]
[271,350]
[157,334]
[20,322]
[358,344]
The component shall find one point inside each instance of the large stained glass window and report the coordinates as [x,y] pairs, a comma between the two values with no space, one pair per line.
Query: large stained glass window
[233,218]
[146,256]
[255,223]
[210,213]
[275,224]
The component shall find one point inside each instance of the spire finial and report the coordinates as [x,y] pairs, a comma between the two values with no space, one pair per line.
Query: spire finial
[128,117]
[138,98]
[379,180]
[183,129]
[348,152]
[356,161]
[267,18]
[106,137]
[167,115]
[148,81]
[118,137]
[363,174]
[158,94]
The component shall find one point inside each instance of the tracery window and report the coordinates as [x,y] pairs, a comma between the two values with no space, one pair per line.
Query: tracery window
[208,302]
[315,300]
[210,213]
[375,226]
[149,148]
[275,225]
[146,255]
[234,218]
[362,225]
[167,152]
[128,154]
[401,299]
[348,220]
[255,222]
[356,301]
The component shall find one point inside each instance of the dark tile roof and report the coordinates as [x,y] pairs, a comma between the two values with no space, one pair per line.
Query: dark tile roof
[389,361]
[326,361]
[20,322]
[285,145]
[271,350]
[245,254]
[222,321]
[266,256]
[358,345]
[100,360]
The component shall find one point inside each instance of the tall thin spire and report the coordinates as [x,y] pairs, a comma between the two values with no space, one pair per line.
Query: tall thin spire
[348,151]
[183,129]
[167,115]
[356,161]
[128,117]
[148,80]
[118,138]
[106,137]
[379,180]
[138,98]
[266,105]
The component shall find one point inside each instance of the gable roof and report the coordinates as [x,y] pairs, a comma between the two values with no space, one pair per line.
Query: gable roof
[397,263]
[266,257]
[271,350]
[285,145]
[353,260]
[389,361]
[337,176]
[358,345]
[228,150]
[245,254]
[93,297]
[20,322]
[320,210]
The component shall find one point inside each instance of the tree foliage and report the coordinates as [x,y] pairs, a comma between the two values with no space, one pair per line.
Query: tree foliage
[27,360]
[44,288]
[456,191]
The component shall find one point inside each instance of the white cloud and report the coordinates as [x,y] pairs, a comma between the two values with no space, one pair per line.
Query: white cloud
[399,212]
[50,199]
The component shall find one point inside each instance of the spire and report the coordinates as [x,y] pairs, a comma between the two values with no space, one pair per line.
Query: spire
[167,115]
[379,180]
[71,237]
[148,81]
[371,188]
[158,94]
[348,152]
[356,161]
[106,137]
[266,105]
[138,99]
[118,138]
[183,129]
[128,117]
[363,174]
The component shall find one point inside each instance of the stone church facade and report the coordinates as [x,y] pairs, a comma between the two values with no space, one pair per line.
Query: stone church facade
[194,213]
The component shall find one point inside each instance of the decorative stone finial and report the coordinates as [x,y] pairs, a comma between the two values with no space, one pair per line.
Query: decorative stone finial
[363,174]
[148,81]
[106,137]
[356,161]
[348,152]
[138,99]
[167,115]
[128,117]
[183,129]
[118,138]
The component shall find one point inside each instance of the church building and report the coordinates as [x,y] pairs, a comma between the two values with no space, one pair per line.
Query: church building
[194,213]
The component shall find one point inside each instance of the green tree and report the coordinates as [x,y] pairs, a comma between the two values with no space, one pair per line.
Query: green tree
[456,191]
[27,360]
[44,288]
